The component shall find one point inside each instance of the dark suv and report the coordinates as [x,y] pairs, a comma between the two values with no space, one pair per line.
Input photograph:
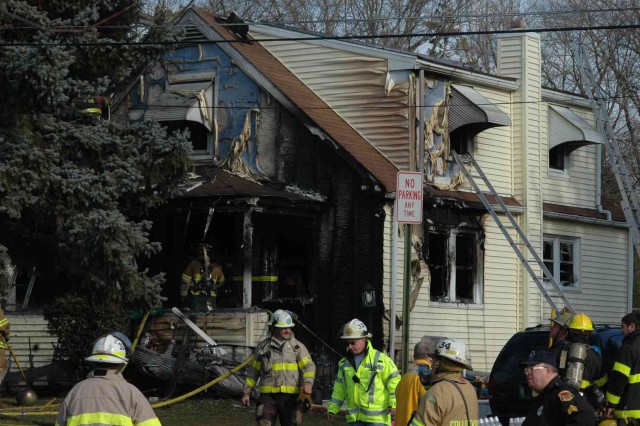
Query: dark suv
[509,395]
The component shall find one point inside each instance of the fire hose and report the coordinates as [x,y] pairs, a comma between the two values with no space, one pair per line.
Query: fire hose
[158,405]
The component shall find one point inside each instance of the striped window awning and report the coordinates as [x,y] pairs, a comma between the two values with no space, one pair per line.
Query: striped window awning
[566,127]
[471,111]
[184,101]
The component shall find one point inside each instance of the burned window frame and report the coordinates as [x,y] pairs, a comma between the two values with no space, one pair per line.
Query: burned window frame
[556,261]
[465,228]
[196,154]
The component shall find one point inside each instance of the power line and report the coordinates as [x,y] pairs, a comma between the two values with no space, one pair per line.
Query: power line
[338,20]
[314,38]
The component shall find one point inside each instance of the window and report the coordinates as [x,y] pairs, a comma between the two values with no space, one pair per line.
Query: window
[462,142]
[560,256]
[455,262]
[201,138]
[558,158]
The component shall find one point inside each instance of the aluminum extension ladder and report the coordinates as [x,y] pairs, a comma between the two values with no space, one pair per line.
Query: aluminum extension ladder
[630,205]
[530,256]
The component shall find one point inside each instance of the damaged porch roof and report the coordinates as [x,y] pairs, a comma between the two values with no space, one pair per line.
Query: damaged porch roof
[304,100]
[219,182]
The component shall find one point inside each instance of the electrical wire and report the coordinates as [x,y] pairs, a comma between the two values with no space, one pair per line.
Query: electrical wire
[343,20]
[324,37]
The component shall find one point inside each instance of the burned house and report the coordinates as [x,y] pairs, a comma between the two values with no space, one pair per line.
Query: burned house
[538,148]
[290,197]
[297,141]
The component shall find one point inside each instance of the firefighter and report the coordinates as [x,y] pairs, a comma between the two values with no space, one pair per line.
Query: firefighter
[559,323]
[366,380]
[413,384]
[451,400]
[105,397]
[4,333]
[557,403]
[579,365]
[201,280]
[286,373]
[623,387]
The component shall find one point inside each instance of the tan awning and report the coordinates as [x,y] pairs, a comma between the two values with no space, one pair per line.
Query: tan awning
[566,127]
[470,110]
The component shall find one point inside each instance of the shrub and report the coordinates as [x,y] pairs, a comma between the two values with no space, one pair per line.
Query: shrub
[78,322]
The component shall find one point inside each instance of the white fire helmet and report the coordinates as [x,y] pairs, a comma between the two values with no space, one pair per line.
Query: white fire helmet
[110,349]
[282,319]
[454,350]
[355,329]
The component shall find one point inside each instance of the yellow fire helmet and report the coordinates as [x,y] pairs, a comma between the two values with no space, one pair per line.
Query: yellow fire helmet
[581,322]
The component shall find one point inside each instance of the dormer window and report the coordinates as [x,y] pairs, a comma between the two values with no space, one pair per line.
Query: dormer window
[558,158]
[469,114]
[568,132]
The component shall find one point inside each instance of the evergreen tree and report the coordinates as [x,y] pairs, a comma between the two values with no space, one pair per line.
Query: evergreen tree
[74,188]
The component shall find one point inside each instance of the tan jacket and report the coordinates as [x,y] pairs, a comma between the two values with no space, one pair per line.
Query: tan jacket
[4,332]
[443,404]
[282,367]
[105,398]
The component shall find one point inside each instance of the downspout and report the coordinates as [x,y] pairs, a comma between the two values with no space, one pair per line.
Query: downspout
[394,280]
[599,184]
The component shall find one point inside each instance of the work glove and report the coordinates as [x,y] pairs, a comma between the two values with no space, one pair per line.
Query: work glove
[304,399]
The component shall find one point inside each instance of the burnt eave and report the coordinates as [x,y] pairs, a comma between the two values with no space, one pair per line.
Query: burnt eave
[467,199]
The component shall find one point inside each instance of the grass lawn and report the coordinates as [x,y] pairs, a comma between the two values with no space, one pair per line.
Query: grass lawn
[196,411]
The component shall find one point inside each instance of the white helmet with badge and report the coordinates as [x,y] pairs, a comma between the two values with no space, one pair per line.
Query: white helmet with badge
[453,350]
[110,349]
[355,329]
[282,319]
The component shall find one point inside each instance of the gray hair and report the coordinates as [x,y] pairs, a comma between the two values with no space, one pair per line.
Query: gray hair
[425,347]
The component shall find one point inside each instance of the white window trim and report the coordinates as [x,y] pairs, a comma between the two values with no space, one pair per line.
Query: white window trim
[556,240]
[478,276]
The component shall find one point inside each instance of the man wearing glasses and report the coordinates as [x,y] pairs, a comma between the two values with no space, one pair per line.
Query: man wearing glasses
[366,381]
[556,403]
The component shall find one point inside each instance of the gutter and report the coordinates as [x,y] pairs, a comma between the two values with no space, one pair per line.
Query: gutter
[599,183]
[587,220]
[469,76]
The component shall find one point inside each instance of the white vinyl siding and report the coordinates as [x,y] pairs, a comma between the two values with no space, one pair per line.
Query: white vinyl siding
[603,269]
[492,148]
[576,186]
[354,86]
[485,327]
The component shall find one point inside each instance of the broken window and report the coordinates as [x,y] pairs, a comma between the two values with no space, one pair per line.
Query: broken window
[462,142]
[560,256]
[201,138]
[455,257]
